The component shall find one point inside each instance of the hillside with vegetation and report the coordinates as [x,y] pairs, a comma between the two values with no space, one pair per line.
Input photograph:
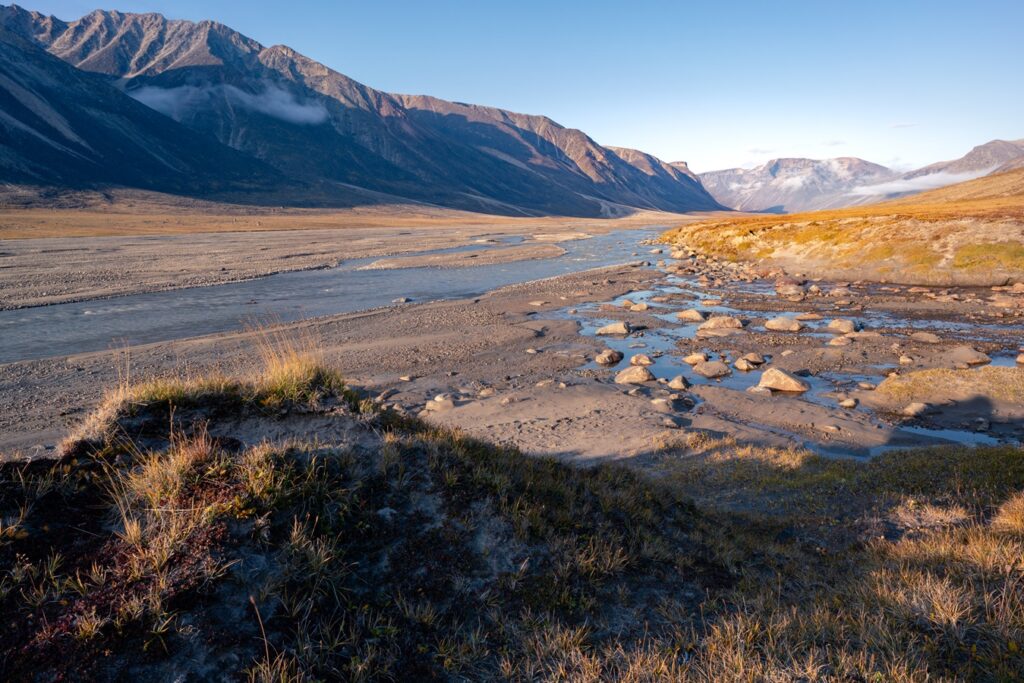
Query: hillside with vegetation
[277,527]
[969,233]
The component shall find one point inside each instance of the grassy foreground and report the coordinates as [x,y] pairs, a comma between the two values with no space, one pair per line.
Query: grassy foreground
[160,543]
[970,233]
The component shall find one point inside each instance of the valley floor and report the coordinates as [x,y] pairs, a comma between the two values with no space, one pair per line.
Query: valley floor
[252,514]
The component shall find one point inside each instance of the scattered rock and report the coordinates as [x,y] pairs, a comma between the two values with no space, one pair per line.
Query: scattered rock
[635,374]
[906,360]
[608,357]
[784,324]
[401,300]
[778,380]
[840,341]
[695,358]
[848,403]
[808,316]
[678,383]
[915,409]
[866,386]
[712,369]
[621,328]
[842,326]
[641,359]
[691,315]
[966,355]
[639,308]
[722,322]
[755,358]
[925,338]
[744,365]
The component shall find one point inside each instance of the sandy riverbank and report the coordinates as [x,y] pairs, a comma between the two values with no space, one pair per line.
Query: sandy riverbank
[516,365]
[193,250]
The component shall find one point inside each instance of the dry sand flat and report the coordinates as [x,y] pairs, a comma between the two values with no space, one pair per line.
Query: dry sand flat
[72,255]
[467,259]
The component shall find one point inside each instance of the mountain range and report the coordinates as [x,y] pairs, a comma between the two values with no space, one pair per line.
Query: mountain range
[270,116]
[792,185]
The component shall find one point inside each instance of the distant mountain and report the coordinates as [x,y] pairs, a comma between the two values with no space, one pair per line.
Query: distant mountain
[980,161]
[319,127]
[794,185]
[65,127]
[790,185]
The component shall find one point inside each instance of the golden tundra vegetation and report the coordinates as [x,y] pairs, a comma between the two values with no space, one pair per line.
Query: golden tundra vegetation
[369,546]
[969,233]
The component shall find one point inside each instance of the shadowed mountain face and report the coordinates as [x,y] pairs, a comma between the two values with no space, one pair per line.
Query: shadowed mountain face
[789,185]
[318,126]
[65,127]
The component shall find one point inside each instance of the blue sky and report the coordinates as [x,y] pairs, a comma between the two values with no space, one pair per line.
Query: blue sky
[717,84]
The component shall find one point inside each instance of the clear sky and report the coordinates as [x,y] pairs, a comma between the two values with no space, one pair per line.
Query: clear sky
[714,83]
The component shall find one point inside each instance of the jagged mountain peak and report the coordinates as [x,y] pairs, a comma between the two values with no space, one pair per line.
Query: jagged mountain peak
[316,124]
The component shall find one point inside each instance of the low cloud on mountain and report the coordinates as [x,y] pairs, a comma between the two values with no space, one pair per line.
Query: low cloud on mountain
[272,101]
[918,184]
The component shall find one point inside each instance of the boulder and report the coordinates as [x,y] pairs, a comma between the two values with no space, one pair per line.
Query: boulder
[622,328]
[695,358]
[678,383]
[925,338]
[842,326]
[784,324]
[744,365]
[966,355]
[915,409]
[691,315]
[722,322]
[711,369]
[635,374]
[755,358]
[641,359]
[848,403]
[777,380]
[609,357]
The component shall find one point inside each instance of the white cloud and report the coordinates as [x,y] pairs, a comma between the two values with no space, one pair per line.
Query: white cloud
[272,101]
[918,184]
[833,143]
[904,125]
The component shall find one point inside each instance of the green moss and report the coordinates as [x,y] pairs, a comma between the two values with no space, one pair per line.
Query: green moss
[1001,255]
